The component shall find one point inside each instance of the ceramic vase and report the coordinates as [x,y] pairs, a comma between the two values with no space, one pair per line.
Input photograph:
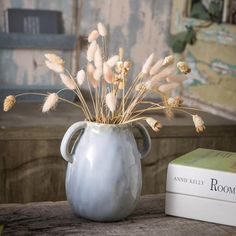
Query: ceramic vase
[104,178]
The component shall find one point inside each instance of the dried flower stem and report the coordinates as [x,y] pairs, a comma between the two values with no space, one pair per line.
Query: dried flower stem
[134,120]
[91,94]
[82,100]
[45,95]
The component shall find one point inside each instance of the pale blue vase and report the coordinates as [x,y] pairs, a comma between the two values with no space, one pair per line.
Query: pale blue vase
[104,179]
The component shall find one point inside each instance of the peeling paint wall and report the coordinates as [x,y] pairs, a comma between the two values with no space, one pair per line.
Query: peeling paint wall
[139,26]
[212,82]
[24,69]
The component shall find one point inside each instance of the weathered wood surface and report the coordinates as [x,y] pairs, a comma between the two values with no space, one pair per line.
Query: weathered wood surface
[31,167]
[56,218]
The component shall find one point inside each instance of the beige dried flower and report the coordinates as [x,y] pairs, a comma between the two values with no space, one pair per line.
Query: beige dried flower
[50,102]
[140,87]
[154,124]
[80,77]
[55,59]
[168,60]
[97,73]
[68,81]
[9,103]
[147,65]
[163,74]
[91,51]
[119,66]
[199,123]
[126,67]
[121,85]
[90,73]
[59,68]
[183,67]
[176,78]
[113,60]
[143,86]
[111,101]
[107,72]
[93,36]
[156,67]
[175,101]
[101,29]
[90,69]
[168,87]
[98,57]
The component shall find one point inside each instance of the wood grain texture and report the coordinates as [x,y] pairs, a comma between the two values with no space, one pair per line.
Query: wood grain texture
[56,218]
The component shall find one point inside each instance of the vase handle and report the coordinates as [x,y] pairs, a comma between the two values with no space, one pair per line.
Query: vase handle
[66,154]
[146,139]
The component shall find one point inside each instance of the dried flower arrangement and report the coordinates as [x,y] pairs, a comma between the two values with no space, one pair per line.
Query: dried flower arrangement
[112,102]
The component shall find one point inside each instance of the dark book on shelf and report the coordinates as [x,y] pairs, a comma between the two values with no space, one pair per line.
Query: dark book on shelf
[33,21]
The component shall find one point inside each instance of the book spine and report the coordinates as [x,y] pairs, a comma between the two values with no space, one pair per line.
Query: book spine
[201,182]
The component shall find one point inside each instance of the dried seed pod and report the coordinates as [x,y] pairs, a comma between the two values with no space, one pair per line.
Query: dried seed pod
[175,101]
[80,77]
[59,68]
[50,102]
[101,29]
[91,51]
[93,36]
[199,123]
[113,60]
[107,73]
[9,102]
[183,67]
[156,67]
[167,87]
[111,101]
[97,73]
[68,81]
[121,85]
[168,60]
[163,74]
[53,58]
[98,57]
[90,73]
[154,124]
[147,65]
[176,78]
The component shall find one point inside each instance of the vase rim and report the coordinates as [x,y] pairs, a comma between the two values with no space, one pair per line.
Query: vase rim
[100,125]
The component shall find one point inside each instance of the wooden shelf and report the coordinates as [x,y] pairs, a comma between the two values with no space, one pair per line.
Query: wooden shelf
[37,41]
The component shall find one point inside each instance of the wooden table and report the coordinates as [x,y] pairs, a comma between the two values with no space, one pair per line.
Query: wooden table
[56,218]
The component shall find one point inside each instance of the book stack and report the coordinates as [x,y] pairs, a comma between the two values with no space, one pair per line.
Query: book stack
[201,185]
[32,21]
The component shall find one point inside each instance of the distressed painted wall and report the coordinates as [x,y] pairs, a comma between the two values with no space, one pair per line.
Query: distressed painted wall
[212,83]
[25,68]
[138,26]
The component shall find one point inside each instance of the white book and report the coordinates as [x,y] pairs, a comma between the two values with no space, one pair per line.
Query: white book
[204,173]
[202,185]
[201,182]
[198,208]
